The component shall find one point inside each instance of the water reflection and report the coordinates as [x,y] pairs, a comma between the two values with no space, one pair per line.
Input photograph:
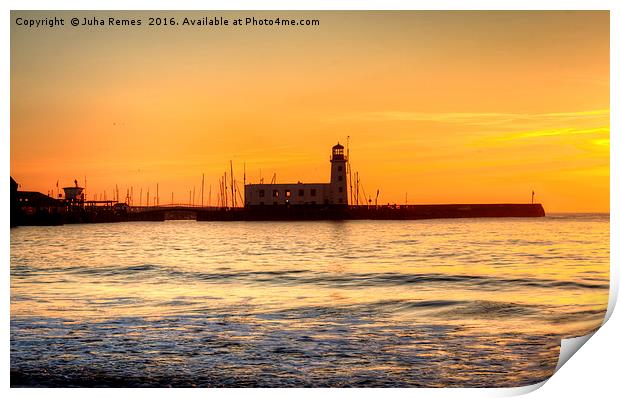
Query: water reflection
[359,303]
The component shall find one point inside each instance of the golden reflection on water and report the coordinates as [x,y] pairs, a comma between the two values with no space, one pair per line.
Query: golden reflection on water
[484,285]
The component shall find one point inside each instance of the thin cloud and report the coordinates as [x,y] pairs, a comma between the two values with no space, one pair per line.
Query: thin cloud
[477,118]
[552,132]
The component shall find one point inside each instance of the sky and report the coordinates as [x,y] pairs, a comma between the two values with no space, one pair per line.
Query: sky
[438,107]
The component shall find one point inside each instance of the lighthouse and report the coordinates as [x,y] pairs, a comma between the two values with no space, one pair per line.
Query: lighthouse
[333,193]
[338,183]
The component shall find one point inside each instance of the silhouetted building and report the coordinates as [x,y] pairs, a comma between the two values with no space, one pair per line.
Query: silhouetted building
[332,193]
[14,207]
[29,207]
[74,194]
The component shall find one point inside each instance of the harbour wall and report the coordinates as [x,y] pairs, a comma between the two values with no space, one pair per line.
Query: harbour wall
[410,212]
[82,215]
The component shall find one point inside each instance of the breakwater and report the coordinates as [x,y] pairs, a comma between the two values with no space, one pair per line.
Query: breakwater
[85,215]
[395,212]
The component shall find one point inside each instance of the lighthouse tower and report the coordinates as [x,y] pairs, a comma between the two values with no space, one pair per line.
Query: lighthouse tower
[338,183]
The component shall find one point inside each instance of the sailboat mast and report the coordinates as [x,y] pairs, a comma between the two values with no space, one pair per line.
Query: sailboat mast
[232,186]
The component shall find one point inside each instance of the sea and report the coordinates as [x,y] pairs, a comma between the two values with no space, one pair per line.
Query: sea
[426,303]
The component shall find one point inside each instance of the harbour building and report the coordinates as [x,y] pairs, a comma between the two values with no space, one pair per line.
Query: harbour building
[333,193]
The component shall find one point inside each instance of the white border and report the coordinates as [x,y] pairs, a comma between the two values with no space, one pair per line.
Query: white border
[593,372]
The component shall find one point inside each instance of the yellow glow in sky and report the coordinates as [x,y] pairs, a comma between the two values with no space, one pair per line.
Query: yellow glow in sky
[441,107]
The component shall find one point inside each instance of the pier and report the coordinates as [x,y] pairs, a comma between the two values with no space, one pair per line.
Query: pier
[338,199]
[120,212]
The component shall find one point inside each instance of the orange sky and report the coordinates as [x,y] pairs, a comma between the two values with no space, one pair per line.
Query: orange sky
[446,107]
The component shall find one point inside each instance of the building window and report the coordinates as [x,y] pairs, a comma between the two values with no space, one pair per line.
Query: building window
[276,193]
[301,192]
[339,178]
[339,189]
[287,193]
[313,192]
[339,168]
[261,193]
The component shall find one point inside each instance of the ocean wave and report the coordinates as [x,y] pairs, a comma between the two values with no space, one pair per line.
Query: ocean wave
[292,277]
